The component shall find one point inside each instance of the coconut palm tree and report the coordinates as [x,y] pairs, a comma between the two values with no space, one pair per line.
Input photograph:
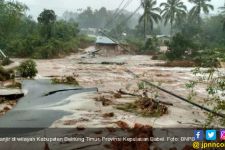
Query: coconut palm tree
[151,14]
[173,10]
[199,6]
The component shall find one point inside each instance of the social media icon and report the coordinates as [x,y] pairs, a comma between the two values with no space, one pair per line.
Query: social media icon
[198,135]
[222,135]
[210,135]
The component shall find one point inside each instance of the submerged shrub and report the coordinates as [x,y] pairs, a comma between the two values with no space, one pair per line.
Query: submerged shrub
[4,74]
[28,69]
[6,61]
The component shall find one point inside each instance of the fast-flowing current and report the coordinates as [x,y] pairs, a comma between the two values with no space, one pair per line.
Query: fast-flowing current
[29,112]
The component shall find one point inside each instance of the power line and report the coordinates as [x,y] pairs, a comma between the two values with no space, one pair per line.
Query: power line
[124,21]
[128,18]
[124,7]
[119,12]
[118,9]
[114,14]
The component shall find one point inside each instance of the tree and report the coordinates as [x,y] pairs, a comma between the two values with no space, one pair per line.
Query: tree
[28,69]
[199,6]
[10,16]
[47,18]
[178,47]
[150,14]
[172,12]
[86,18]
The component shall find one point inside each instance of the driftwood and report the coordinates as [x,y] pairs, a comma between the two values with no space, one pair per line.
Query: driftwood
[161,102]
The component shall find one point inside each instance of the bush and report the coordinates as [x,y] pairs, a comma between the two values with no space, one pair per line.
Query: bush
[179,46]
[85,41]
[28,69]
[4,74]
[152,45]
[135,44]
[210,57]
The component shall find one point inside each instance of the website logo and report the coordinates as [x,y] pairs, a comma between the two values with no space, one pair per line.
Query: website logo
[222,135]
[198,135]
[210,135]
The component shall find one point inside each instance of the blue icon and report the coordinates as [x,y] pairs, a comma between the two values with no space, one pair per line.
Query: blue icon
[198,135]
[210,135]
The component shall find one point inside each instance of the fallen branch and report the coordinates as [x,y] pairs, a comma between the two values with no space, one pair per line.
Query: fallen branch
[161,102]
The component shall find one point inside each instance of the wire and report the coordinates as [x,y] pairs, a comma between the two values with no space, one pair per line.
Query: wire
[119,12]
[128,18]
[120,25]
[114,14]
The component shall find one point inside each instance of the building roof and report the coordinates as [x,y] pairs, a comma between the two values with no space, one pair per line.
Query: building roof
[158,36]
[104,40]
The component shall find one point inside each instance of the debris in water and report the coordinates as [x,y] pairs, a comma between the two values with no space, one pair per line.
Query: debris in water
[139,131]
[122,125]
[108,115]
[105,101]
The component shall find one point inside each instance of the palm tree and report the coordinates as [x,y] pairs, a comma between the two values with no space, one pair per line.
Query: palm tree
[150,15]
[172,12]
[200,5]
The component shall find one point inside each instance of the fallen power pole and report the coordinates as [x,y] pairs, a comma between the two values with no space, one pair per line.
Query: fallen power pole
[2,53]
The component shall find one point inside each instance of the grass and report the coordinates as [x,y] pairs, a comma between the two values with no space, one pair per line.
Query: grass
[66,80]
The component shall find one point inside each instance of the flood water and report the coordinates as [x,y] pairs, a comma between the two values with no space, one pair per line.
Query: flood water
[32,110]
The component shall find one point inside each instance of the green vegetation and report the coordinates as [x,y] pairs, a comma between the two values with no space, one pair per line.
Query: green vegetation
[28,69]
[5,74]
[6,61]
[174,11]
[214,82]
[179,46]
[199,6]
[21,36]
[66,80]
[145,107]
[150,15]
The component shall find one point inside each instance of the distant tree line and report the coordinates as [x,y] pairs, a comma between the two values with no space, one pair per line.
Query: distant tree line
[100,18]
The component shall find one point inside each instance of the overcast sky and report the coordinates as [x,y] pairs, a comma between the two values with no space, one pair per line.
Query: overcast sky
[60,6]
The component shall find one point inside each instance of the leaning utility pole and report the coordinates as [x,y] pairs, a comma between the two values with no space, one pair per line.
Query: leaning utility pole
[2,53]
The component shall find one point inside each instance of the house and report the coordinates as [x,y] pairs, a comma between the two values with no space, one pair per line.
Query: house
[161,38]
[107,47]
